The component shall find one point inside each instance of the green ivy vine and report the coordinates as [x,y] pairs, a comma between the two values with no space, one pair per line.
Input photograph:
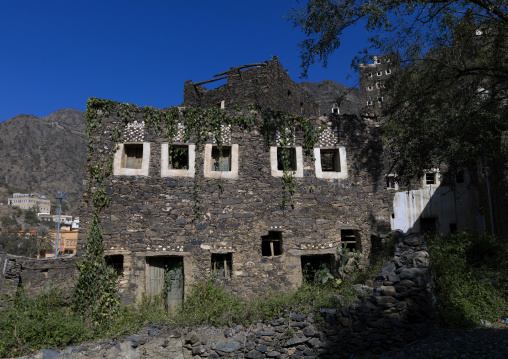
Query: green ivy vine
[95,293]
[287,127]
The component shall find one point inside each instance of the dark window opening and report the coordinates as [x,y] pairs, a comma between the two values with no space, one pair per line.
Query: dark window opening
[430,178]
[179,157]
[330,160]
[288,156]
[350,239]
[460,177]
[271,244]
[289,93]
[428,225]
[221,163]
[453,227]
[390,182]
[115,261]
[314,267]
[133,156]
[222,264]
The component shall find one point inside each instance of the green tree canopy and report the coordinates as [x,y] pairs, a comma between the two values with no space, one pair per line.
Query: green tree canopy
[448,104]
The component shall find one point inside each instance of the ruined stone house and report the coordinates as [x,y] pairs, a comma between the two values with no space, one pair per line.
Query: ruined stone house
[242,235]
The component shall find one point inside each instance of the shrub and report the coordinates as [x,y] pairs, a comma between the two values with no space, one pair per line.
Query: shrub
[29,324]
[470,277]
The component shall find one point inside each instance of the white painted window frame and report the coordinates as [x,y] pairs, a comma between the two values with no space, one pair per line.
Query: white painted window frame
[326,174]
[299,162]
[119,170]
[208,173]
[166,171]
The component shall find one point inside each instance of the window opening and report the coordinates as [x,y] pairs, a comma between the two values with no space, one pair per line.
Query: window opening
[314,267]
[379,73]
[179,157]
[369,88]
[222,164]
[271,244]
[115,261]
[389,71]
[453,228]
[390,182]
[370,74]
[380,99]
[378,84]
[330,161]
[222,264]
[430,178]
[291,152]
[460,177]
[369,103]
[350,238]
[133,156]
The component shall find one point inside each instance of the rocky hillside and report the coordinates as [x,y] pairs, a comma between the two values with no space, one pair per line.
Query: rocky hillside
[328,92]
[44,155]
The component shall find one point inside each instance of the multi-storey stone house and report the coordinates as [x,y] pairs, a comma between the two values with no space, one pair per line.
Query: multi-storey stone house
[241,233]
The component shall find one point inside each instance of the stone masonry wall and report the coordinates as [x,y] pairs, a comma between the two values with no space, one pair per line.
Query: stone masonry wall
[395,309]
[36,275]
[267,86]
[152,216]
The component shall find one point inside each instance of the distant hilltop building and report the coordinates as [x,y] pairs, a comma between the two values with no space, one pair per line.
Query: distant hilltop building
[30,200]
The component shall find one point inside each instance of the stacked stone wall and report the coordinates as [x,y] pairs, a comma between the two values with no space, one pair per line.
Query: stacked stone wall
[267,86]
[36,276]
[395,309]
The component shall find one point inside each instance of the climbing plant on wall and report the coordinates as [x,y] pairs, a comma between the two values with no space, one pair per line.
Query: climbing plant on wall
[95,295]
[276,123]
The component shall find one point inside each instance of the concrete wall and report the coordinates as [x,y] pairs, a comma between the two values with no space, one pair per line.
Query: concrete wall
[454,208]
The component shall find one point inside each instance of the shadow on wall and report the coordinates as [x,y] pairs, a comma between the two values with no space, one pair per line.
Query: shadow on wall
[440,205]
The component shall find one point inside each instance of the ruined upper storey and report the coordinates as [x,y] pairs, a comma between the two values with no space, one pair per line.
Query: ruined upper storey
[265,85]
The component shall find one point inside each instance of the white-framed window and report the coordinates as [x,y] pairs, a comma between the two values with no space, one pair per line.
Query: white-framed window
[388,71]
[132,159]
[380,99]
[369,103]
[179,161]
[370,74]
[391,183]
[380,73]
[370,88]
[217,166]
[295,161]
[431,178]
[330,162]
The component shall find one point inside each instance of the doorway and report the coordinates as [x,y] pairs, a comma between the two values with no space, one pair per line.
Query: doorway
[165,277]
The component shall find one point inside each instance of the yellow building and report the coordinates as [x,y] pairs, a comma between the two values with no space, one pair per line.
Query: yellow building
[67,243]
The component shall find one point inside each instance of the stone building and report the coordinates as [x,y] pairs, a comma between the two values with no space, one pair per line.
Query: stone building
[264,84]
[29,200]
[241,234]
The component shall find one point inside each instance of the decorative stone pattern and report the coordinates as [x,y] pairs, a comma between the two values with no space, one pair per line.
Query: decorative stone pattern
[134,132]
[225,135]
[278,137]
[180,133]
[327,136]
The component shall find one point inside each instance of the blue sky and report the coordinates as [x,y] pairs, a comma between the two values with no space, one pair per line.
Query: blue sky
[57,54]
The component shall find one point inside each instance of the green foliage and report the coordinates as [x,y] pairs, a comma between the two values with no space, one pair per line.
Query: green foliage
[448,104]
[349,259]
[378,257]
[30,324]
[287,126]
[31,217]
[470,278]
[95,293]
